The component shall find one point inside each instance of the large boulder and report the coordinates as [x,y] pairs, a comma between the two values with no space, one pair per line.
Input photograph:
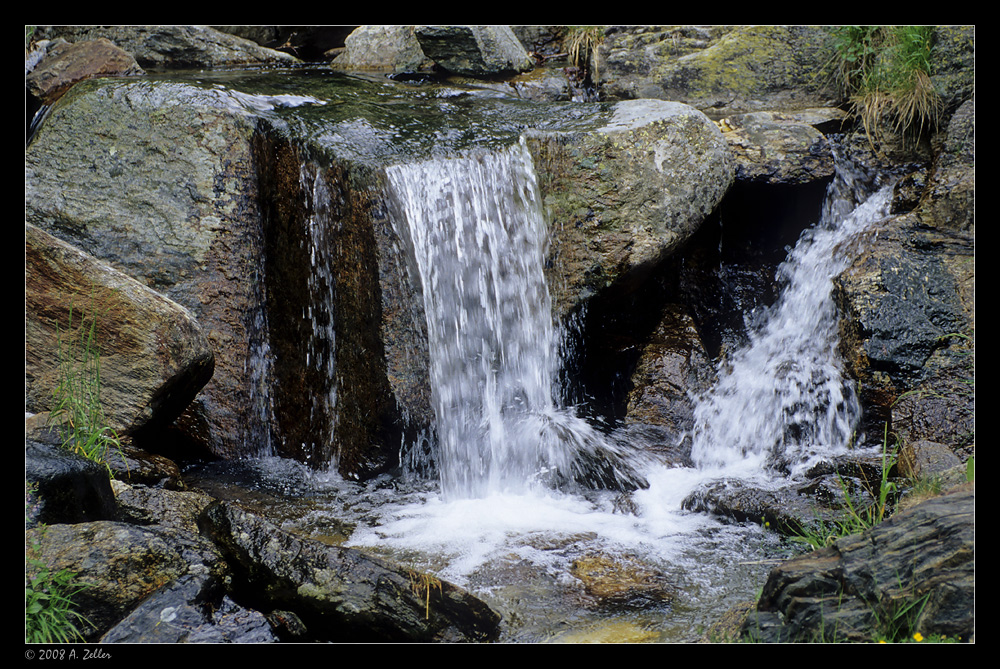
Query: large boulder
[174,46]
[382,49]
[475,51]
[62,64]
[954,75]
[624,196]
[166,195]
[87,323]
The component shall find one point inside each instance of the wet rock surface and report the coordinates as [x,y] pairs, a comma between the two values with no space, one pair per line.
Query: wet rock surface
[341,594]
[672,369]
[621,582]
[820,497]
[193,609]
[66,488]
[915,571]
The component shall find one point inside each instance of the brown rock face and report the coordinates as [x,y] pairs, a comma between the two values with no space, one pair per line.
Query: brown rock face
[331,395]
[84,317]
[66,64]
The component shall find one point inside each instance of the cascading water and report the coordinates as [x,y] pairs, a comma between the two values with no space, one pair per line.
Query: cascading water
[782,399]
[477,235]
[501,522]
[473,231]
[321,347]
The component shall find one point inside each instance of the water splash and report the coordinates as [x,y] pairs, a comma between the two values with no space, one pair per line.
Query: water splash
[782,400]
[477,235]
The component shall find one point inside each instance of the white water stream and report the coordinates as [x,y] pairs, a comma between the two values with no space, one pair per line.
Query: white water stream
[781,401]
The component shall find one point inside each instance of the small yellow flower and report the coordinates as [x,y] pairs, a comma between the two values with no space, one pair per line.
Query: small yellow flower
[918,637]
[881,640]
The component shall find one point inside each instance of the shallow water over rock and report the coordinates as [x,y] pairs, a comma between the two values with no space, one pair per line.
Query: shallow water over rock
[523,554]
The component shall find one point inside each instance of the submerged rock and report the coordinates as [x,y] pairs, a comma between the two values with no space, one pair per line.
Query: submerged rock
[621,582]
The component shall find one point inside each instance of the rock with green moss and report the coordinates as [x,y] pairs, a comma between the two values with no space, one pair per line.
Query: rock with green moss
[624,196]
[722,70]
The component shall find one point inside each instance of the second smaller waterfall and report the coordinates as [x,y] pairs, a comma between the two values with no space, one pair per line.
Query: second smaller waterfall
[782,398]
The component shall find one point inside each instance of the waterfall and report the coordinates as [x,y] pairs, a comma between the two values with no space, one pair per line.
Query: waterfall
[782,398]
[322,229]
[478,240]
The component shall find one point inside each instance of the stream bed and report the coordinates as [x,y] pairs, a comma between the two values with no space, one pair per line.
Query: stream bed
[516,552]
[494,501]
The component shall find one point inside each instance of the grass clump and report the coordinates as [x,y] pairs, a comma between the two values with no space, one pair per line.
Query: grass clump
[857,518]
[50,614]
[582,43]
[78,395]
[886,73]
[422,583]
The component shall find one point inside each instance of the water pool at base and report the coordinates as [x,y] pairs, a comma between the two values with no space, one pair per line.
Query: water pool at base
[517,552]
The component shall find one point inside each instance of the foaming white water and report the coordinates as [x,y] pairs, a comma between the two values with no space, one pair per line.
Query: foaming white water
[546,528]
[782,400]
[477,237]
